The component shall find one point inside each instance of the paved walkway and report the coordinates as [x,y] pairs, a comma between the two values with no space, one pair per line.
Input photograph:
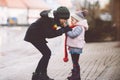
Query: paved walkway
[100,61]
[18,59]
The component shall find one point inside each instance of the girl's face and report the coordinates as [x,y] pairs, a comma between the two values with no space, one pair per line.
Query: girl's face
[73,21]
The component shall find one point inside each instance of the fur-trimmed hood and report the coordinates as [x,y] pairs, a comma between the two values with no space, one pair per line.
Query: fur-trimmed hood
[84,24]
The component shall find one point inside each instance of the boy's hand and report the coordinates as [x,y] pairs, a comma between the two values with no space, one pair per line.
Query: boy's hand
[65,24]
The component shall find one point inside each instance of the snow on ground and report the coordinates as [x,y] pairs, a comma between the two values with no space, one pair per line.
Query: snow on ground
[18,57]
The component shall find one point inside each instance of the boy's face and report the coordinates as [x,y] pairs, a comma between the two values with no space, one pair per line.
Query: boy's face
[63,21]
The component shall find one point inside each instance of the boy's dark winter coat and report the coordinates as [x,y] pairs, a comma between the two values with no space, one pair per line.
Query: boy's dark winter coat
[43,28]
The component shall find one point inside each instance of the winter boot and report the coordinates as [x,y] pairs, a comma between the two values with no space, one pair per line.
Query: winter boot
[44,76]
[75,75]
[41,76]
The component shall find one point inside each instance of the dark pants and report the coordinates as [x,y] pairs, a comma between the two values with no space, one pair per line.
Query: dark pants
[46,53]
[75,59]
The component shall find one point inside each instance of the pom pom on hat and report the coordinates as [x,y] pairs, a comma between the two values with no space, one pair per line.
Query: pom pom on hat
[80,15]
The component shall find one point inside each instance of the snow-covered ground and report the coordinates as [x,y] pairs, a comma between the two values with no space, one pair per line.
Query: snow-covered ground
[18,59]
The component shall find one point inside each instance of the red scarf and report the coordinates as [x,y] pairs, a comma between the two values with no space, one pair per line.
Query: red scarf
[65,59]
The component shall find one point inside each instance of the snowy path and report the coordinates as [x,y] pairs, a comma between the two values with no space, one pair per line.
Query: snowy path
[18,59]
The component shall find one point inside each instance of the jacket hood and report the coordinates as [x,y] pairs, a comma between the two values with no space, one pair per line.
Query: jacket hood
[45,13]
[49,14]
[84,24]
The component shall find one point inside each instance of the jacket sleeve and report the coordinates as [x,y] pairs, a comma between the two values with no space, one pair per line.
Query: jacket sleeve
[75,32]
[54,33]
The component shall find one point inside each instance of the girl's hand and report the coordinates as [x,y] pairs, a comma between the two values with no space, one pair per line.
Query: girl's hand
[65,24]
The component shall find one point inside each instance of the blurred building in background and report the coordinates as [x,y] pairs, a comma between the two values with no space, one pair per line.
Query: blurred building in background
[103,17]
[26,11]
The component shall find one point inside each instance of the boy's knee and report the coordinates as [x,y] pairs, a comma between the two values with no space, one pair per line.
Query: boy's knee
[47,55]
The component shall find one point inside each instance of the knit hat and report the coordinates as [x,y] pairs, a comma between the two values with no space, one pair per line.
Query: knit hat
[62,13]
[79,15]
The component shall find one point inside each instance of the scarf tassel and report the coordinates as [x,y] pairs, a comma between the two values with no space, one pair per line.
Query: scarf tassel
[65,59]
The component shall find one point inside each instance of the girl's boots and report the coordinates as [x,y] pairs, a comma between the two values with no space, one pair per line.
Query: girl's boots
[75,74]
[41,76]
